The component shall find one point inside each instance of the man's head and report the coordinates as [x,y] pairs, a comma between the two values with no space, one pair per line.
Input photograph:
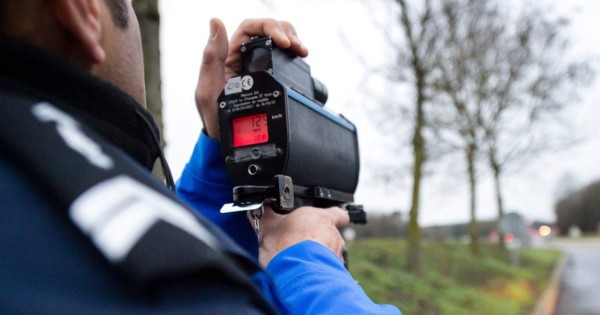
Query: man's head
[99,36]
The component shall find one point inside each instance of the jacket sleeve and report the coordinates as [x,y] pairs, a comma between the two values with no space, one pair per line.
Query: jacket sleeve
[205,185]
[312,280]
[307,276]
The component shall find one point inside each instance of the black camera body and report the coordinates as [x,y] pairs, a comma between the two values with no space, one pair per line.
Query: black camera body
[278,141]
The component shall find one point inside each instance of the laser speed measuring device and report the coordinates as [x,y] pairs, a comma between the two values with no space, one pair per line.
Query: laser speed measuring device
[279,143]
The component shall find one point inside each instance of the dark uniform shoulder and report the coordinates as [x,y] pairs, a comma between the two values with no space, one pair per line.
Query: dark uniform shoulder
[49,266]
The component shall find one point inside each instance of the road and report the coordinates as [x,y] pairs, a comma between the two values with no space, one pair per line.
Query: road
[580,287]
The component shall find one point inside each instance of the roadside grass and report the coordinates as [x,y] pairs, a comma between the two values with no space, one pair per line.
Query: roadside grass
[451,280]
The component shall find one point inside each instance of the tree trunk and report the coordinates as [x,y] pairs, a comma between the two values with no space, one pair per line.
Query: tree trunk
[499,201]
[414,230]
[473,229]
[149,20]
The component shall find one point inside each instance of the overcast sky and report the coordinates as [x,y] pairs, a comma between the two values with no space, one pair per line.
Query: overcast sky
[321,26]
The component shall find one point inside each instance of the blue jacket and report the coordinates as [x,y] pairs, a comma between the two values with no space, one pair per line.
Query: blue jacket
[64,134]
[309,278]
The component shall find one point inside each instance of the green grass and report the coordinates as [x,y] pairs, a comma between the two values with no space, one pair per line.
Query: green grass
[451,280]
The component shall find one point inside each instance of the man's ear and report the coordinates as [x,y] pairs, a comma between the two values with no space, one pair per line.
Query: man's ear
[82,18]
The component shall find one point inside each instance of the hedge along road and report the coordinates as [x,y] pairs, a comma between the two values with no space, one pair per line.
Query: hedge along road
[580,287]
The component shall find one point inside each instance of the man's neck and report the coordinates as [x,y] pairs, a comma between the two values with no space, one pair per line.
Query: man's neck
[108,110]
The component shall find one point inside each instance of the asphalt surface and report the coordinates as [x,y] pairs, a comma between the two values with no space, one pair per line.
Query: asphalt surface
[580,286]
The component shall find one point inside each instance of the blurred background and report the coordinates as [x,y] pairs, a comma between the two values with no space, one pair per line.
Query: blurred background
[359,50]
[478,126]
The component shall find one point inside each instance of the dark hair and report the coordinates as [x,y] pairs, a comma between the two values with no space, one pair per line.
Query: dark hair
[119,12]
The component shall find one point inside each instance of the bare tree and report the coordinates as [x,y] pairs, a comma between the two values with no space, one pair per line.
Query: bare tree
[411,40]
[580,208]
[456,84]
[486,81]
[419,34]
[528,83]
[149,20]
[503,74]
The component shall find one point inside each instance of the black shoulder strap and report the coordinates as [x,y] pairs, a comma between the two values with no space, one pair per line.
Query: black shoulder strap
[132,219]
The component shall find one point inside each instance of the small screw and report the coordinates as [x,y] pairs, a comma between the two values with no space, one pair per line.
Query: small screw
[287,193]
[253,169]
[229,159]
[222,104]
[276,94]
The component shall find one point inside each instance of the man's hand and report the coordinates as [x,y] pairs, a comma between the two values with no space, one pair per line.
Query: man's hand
[221,61]
[278,232]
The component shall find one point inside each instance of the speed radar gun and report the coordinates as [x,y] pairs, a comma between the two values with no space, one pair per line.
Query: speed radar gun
[280,145]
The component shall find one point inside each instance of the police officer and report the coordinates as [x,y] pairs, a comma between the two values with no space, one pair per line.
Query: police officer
[84,226]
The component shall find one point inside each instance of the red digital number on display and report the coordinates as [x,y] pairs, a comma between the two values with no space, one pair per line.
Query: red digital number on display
[249,130]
